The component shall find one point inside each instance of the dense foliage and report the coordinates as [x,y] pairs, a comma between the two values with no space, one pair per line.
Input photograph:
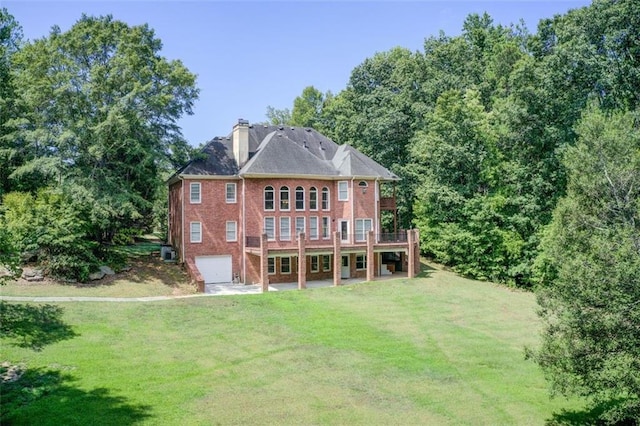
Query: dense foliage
[93,128]
[590,292]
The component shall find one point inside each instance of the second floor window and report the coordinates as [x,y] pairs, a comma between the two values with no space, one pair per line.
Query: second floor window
[196,232]
[299,225]
[325,227]
[269,198]
[284,198]
[362,227]
[270,227]
[231,192]
[313,228]
[343,190]
[194,192]
[232,231]
[285,228]
[313,198]
[299,198]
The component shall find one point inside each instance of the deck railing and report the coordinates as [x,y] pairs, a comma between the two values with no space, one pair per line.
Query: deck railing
[393,237]
[252,242]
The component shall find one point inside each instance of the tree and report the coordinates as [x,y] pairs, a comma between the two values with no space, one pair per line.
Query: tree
[10,41]
[99,113]
[278,117]
[590,270]
[307,108]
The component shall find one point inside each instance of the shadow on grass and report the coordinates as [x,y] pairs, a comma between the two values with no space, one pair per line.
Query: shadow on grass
[33,326]
[426,270]
[589,416]
[48,397]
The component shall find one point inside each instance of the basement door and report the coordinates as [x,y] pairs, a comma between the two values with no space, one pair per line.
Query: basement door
[215,269]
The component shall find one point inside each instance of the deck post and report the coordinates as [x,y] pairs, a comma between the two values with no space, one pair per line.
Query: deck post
[337,259]
[411,263]
[370,259]
[302,262]
[264,263]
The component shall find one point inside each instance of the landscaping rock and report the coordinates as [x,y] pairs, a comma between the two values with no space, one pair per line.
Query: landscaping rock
[34,278]
[125,269]
[107,270]
[97,276]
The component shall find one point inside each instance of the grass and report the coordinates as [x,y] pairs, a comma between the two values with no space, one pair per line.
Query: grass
[439,349]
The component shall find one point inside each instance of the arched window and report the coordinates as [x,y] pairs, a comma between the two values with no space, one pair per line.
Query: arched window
[299,198]
[284,198]
[313,198]
[268,198]
[325,198]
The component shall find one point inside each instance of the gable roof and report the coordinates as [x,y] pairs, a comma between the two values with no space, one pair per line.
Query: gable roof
[285,151]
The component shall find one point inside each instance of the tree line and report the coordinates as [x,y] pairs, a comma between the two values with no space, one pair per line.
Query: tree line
[519,155]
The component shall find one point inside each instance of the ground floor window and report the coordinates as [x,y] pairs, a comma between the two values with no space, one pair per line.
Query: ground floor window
[326,263]
[271,265]
[314,264]
[361,261]
[285,265]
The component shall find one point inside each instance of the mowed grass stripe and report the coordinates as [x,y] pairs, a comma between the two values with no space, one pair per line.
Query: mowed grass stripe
[435,350]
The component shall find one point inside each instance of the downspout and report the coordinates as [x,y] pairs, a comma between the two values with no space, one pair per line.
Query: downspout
[244,239]
[182,220]
[353,213]
[376,229]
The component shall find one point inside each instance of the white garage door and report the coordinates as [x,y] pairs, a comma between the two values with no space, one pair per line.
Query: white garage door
[214,269]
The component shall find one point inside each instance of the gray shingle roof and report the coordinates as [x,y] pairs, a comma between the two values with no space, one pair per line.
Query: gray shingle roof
[285,150]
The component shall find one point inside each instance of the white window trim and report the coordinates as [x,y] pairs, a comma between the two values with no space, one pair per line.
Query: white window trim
[235,231]
[317,236]
[329,264]
[191,225]
[344,238]
[328,227]
[191,186]
[295,199]
[273,237]
[274,265]
[288,237]
[315,209]
[288,198]
[364,260]
[343,182]
[264,199]
[235,193]
[328,199]
[364,231]
[290,268]
[317,263]
[304,225]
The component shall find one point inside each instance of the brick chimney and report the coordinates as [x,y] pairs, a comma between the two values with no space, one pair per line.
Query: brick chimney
[241,142]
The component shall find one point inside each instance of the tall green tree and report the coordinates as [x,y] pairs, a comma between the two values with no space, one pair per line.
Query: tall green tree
[307,108]
[278,117]
[100,111]
[590,273]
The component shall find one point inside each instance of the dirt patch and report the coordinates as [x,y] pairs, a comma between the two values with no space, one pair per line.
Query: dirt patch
[138,269]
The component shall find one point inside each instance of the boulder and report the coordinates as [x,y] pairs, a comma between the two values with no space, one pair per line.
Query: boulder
[107,270]
[97,276]
[34,278]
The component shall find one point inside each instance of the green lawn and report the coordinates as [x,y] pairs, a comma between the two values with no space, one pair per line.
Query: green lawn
[434,350]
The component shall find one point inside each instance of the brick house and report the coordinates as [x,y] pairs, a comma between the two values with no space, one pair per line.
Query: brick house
[271,204]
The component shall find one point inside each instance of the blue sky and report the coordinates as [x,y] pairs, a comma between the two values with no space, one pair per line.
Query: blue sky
[249,55]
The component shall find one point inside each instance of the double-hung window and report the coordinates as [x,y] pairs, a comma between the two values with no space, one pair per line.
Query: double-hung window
[343,190]
[194,193]
[299,198]
[196,232]
[361,261]
[325,198]
[285,265]
[232,231]
[362,227]
[269,195]
[326,262]
[325,227]
[270,227]
[271,265]
[299,225]
[231,192]
[313,198]
[313,227]
[284,198]
[285,229]
[314,264]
